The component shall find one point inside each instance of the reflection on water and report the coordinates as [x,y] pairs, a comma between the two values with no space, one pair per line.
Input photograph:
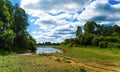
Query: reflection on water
[47,50]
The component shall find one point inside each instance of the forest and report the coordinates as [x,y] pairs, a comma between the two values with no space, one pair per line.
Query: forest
[93,34]
[14,36]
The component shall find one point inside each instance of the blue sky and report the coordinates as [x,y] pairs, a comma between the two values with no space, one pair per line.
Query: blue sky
[56,20]
[15,1]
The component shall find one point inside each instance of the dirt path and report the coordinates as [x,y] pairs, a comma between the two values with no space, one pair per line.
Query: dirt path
[92,67]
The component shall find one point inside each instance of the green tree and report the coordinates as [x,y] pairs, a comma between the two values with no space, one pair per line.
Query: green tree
[116,29]
[7,39]
[90,27]
[22,41]
[10,9]
[21,18]
[1,27]
[99,30]
[4,15]
[107,30]
[13,28]
[9,6]
[6,34]
[78,31]
[32,44]
[95,41]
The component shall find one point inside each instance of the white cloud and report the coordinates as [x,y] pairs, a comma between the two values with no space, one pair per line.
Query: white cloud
[101,11]
[58,19]
[54,5]
[54,27]
[90,10]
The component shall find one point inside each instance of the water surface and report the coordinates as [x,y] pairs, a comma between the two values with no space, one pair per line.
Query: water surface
[41,50]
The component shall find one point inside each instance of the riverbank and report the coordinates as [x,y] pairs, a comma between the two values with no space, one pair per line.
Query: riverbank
[74,59]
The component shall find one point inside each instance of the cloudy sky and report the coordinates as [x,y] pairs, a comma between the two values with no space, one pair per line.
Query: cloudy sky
[56,20]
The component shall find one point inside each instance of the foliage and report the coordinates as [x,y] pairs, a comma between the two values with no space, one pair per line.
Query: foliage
[95,41]
[103,44]
[32,44]
[7,40]
[95,35]
[113,45]
[13,28]
[90,27]
[4,53]
[79,31]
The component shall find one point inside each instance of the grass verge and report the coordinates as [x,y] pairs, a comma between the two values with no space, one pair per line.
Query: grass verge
[94,56]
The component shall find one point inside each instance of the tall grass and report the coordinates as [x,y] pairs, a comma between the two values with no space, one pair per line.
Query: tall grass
[93,54]
[35,63]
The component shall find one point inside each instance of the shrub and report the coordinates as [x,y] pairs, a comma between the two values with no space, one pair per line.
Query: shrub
[86,39]
[111,39]
[4,53]
[95,41]
[114,45]
[103,44]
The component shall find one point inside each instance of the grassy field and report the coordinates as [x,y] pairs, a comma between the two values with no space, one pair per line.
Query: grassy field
[37,63]
[107,59]
[74,59]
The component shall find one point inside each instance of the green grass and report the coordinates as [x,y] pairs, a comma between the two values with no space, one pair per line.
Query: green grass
[18,63]
[94,55]
[83,58]
[35,63]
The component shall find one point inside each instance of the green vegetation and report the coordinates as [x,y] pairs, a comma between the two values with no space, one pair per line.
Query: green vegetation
[92,54]
[96,35]
[36,63]
[74,59]
[102,58]
[13,24]
[97,48]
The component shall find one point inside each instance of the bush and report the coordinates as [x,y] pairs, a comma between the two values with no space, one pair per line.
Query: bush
[86,39]
[111,39]
[95,41]
[32,45]
[114,45]
[103,44]
[4,53]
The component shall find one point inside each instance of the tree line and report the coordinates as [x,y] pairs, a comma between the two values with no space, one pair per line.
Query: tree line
[13,28]
[47,43]
[94,34]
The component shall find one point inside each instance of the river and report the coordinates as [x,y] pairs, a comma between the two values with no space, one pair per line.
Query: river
[42,50]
